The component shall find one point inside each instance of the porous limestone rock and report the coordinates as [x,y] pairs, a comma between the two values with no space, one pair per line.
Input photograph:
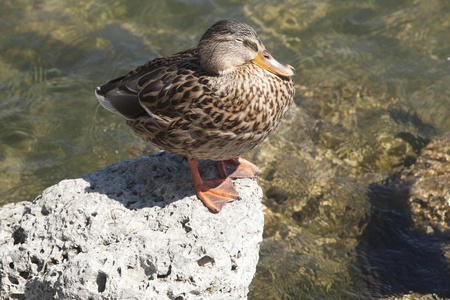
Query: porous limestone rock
[133,230]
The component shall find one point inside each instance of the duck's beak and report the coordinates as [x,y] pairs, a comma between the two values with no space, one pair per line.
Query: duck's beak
[266,61]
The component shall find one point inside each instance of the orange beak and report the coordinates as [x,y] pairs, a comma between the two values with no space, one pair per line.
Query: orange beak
[266,61]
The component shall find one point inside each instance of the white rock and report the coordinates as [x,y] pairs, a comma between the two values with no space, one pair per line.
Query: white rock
[133,230]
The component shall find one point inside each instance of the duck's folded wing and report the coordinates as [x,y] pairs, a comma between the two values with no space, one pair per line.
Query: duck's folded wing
[119,96]
[171,90]
[122,95]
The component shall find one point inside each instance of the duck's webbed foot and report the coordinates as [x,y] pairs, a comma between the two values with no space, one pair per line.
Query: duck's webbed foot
[215,192]
[237,168]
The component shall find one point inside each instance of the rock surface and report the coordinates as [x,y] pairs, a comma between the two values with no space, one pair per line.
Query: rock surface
[429,187]
[133,230]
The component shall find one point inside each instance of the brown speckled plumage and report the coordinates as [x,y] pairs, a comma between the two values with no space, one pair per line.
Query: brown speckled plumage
[215,101]
[205,116]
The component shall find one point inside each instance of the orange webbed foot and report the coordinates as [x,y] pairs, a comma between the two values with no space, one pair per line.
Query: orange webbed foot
[237,168]
[215,192]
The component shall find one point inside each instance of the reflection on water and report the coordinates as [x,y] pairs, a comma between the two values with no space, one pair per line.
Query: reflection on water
[372,89]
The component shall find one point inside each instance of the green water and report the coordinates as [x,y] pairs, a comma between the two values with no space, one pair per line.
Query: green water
[372,85]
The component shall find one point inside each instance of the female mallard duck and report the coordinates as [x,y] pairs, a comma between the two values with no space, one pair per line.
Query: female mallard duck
[215,101]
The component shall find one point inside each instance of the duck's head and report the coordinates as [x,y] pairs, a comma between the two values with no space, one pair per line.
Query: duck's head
[230,44]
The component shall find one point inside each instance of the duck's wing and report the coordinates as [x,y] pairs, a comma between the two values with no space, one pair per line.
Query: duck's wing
[123,95]
[170,90]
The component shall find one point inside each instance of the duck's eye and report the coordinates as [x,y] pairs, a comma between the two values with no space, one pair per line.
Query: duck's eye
[239,40]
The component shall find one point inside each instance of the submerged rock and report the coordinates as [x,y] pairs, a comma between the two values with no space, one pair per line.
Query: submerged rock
[133,230]
[410,258]
[428,182]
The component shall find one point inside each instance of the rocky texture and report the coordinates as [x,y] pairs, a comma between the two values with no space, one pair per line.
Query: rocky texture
[428,182]
[415,208]
[428,200]
[133,230]
[334,230]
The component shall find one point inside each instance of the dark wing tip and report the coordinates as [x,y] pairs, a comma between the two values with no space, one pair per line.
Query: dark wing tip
[98,91]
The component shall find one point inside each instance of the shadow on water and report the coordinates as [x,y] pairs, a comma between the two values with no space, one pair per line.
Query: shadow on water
[396,260]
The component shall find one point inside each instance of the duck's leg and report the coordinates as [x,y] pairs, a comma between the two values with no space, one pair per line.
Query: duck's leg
[237,168]
[215,192]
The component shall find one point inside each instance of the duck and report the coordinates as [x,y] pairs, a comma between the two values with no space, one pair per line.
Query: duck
[215,101]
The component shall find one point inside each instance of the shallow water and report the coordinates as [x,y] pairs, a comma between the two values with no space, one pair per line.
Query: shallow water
[372,88]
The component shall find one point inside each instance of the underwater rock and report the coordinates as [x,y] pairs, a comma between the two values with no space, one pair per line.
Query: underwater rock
[132,230]
[428,182]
